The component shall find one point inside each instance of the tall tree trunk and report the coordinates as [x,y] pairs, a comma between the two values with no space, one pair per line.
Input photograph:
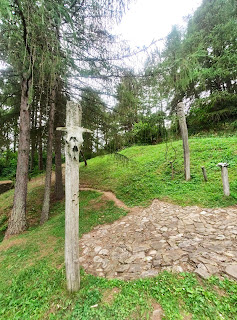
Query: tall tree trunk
[184,133]
[46,203]
[58,190]
[17,221]
[40,151]
[59,122]
[15,135]
[32,135]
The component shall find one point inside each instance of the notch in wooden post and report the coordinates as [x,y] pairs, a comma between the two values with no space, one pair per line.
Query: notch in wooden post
[224,175]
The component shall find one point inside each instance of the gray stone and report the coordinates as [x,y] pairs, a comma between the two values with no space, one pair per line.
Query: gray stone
[122,268]
[104,252]
[97,249]
[152,252]
[140,248]
[97,259]
[148,258]
[232,271]
[156,263]
[149,273]
[168,237]
[135,268]
[202,271]
[177,269]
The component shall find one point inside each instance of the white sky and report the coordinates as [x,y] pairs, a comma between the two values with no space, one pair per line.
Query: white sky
[147,20]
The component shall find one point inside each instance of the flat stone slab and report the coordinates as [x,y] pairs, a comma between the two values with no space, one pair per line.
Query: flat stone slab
[232,271]
[163,236]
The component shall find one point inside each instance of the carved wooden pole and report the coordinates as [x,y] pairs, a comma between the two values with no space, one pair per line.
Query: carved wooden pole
[73,144]
[184,133]
[225,180]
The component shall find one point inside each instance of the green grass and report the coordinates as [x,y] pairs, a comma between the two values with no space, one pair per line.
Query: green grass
[148,174]
[32,271]
[33,279]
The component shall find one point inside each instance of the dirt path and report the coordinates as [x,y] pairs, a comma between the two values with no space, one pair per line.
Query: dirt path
[162,237]
[108,195]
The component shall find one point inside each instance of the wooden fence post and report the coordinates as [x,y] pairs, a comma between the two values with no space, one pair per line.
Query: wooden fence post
[73,144]
[204,173]
[184,133]
[224,175]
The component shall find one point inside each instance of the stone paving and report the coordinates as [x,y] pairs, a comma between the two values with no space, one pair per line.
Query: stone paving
[163,236]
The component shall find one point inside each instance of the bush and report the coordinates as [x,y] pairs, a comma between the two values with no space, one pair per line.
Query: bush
[8,164]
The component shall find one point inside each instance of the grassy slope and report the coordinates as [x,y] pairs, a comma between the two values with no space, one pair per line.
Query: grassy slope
[32,277]
[32,270]
[148,174]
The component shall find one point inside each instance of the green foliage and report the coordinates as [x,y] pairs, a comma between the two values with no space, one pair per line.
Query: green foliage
[151,129]
[212,112]
[199,66]
[8,164]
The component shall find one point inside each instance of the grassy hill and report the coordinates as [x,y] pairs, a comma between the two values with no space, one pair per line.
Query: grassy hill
[32,268]
[143,173]
[33,280]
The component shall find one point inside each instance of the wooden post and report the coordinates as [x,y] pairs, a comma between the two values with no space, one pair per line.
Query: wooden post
[73,144]
[204,173]
[224,175]
[172,170]
[184,133]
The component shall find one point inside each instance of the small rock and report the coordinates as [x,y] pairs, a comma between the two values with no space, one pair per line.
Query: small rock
[148,258]
[220,237]
[177,269]
[164,229]
[101,274]
[157,245]
[202,271]
[104,252]
[232,270]
[149,273]
[97,259]
[135,268]
[97,249]
[152,252]
[140,248]
[122,268]
[212,269]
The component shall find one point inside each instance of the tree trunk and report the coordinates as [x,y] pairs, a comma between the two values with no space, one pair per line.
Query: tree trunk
[33,133]
[58,191]
[17,221]
[59,121]
[84,158]
[46,203]
[40,151]
[15,135]
[184,133]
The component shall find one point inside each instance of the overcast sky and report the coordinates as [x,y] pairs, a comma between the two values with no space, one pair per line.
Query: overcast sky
[152,19]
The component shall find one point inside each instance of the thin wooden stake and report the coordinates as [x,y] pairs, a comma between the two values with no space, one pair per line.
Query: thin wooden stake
[172,170]
[225,179]
[204,173]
